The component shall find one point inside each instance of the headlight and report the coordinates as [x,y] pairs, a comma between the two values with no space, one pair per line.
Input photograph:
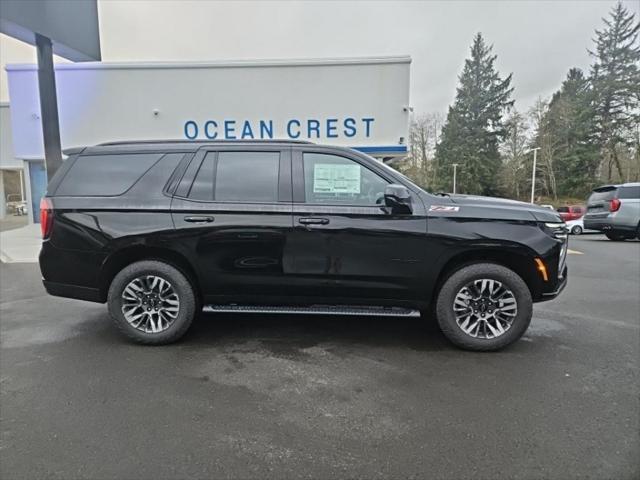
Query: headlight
[563,258]
[557,230]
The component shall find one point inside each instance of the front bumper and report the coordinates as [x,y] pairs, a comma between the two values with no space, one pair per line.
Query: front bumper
[559,288]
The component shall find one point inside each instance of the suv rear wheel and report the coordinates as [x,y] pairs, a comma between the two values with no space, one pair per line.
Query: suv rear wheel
[483,307]
[151,302]
[615,236]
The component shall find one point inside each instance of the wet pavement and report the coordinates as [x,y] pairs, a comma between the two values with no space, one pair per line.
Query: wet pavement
[252,396]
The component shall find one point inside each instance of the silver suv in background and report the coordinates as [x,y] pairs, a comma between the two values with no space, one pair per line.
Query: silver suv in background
[615,211]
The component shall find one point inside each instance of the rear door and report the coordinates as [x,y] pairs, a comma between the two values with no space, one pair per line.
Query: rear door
[232,213]
[345,245]
[629,212]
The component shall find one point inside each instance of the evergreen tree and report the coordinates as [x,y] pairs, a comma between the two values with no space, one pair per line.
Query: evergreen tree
[569,127]
[615,77]
[473,129]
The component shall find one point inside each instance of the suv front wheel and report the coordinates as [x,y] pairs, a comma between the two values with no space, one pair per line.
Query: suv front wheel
[616,236]
[151,302]
[483,307]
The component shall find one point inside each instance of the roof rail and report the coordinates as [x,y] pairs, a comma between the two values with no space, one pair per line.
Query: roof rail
[134,142]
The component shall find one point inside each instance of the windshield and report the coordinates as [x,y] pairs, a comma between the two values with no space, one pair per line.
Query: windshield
[404,177]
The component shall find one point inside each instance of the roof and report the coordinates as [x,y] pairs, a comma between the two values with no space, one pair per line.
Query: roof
[162,142]
[616,185]
[292,62]
[174,145]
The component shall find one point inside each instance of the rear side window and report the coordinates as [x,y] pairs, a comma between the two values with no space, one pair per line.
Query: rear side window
[105,175]
[604,194]
[629,192]
[237,177]
[202,186]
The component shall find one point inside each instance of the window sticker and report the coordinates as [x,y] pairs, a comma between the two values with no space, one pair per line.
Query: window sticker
[336,178]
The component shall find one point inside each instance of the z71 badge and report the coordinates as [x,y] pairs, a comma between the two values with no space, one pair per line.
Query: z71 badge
[443,208]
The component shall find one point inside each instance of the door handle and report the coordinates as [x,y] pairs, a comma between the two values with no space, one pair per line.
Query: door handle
[313,221]
[198,219]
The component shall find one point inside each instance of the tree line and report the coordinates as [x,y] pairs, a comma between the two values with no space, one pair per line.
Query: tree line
[586,134]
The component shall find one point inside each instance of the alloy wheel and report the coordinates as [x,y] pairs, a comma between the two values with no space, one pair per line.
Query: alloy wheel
[485,308]
[150,304]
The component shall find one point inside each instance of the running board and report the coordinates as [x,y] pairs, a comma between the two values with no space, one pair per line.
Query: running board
[315,310]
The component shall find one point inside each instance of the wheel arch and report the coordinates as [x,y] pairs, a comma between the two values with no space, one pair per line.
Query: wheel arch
[120,259]
[518,260]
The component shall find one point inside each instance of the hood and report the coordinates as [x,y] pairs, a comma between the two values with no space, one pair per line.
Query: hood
[538,213]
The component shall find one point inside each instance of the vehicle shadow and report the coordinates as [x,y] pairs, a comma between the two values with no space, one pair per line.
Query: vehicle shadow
[288,334]
[597,237]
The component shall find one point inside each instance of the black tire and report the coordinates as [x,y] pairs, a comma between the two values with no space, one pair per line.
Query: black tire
[180,284]
[447,319]
[615,236]
[576,230]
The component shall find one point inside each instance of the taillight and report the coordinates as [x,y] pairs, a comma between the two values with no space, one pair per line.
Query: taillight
[614,205]
[46,217]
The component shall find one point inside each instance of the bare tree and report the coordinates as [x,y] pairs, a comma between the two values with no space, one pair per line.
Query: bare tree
[513,151]
[544,139]
[423,136]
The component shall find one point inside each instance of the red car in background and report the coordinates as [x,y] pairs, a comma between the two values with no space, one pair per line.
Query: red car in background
[571,212]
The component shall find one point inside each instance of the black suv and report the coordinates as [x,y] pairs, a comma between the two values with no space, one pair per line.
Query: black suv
[163,230]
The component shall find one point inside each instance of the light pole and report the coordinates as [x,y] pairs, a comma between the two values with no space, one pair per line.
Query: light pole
[533,173]
[455,169]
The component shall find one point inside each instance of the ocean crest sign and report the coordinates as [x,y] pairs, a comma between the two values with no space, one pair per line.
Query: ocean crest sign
[309,129]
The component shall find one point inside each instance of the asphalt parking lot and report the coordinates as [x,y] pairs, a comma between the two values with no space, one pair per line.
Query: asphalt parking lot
[296,397]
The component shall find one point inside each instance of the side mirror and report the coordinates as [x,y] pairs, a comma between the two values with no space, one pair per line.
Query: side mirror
[397,198]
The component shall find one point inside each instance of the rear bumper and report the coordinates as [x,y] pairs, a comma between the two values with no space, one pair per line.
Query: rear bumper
[72,291]
[71,273]
[610,224]
[600,224]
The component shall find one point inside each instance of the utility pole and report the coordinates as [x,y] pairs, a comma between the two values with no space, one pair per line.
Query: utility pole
[455,169]
[533,173]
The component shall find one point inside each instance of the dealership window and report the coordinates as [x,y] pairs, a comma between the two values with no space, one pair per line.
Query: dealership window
[105,175]
[237,177]
[332,179]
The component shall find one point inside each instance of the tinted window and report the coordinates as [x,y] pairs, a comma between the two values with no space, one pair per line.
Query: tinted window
[563,209]
[105,175]
[247,177]
[602,195]
[629,192]
[202,187]
[237,177]
[332,179]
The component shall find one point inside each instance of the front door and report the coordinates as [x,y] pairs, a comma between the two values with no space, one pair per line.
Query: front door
[232,214]
[345,244]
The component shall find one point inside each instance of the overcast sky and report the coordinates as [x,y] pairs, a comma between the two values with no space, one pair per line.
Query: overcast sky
[537,41]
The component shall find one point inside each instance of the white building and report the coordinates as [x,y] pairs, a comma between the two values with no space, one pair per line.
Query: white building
[361,103]
[9,164]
